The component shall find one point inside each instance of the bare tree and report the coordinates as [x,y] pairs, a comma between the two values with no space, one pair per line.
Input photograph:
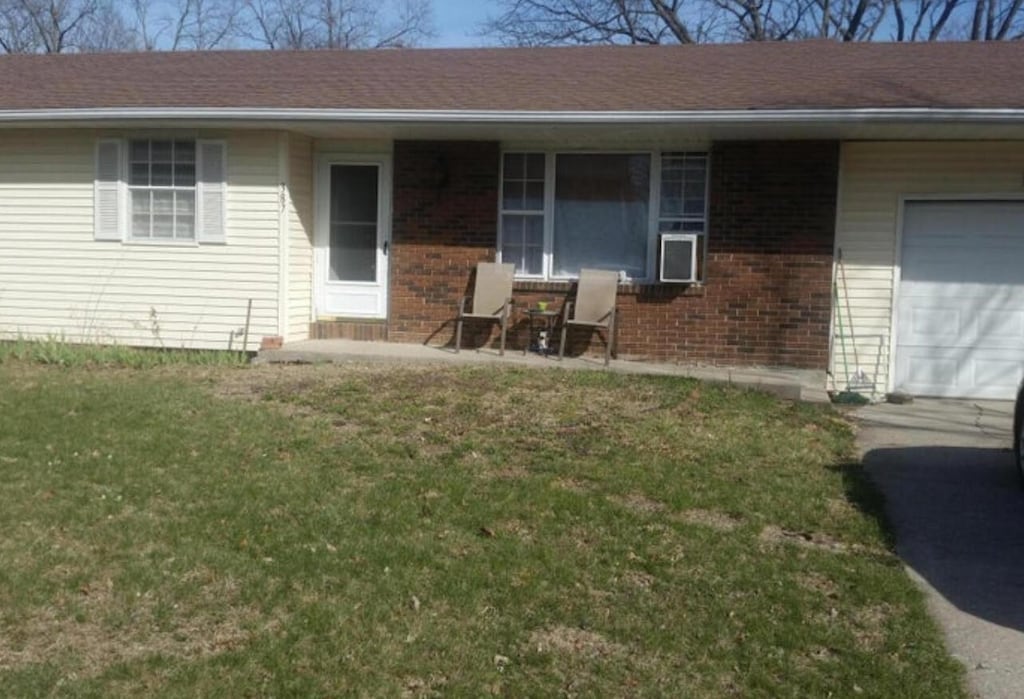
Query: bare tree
[51,26]
[338,24]
[148,27]
[17,31]
[762,20]
[846,20]
[996,20]
[548,22]
[203,24]
[544,22]
[60,26]
[107,29]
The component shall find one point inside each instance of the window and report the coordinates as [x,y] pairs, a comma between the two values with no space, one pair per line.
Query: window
[683,193]
[168,191]
[162,189]
[522,212]
[561,212]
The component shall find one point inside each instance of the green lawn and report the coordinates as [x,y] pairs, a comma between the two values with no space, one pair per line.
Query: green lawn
[387,531]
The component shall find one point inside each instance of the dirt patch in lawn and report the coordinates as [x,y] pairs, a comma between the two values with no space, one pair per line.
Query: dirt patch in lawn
[814,540]
[819,583]
[101,629]
[571,641]
[713,519]
[639,503]
[573,485]
[869,625]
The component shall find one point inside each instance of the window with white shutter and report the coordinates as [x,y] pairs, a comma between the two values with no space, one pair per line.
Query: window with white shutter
[160,190]
[108,223]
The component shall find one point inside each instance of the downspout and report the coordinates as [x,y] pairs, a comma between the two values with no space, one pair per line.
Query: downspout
[830,377]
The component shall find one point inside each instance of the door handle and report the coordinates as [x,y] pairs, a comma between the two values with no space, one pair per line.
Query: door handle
[385,248]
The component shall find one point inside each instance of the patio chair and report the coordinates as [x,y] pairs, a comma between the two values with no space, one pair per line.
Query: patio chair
[491,300]
[594,307]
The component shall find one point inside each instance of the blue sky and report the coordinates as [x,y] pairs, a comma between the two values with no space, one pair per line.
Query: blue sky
[457,20]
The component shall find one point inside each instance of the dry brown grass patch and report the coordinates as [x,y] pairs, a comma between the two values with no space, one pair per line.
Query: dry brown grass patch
[773,535]
[571,484]
[573,641]
[816,582]
[83,626]
[639,503]
[713,519]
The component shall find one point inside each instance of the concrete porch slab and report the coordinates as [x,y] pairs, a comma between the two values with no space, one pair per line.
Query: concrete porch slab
[791,384]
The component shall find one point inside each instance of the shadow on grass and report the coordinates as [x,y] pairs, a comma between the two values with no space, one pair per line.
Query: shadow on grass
[956,517]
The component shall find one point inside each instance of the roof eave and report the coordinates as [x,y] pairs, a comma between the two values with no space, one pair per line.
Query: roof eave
[866,115]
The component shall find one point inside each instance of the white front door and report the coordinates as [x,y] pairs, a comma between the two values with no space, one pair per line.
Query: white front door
[352,235]
[960,315]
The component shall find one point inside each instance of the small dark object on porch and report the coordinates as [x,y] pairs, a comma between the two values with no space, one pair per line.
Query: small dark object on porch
[897,398]
[848,398]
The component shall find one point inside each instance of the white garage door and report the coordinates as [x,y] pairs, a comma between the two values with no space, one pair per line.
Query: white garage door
[960,315]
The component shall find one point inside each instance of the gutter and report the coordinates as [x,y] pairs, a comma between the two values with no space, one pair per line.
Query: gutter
[399,116]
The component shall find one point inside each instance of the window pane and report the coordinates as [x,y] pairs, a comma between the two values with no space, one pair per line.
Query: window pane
[522,242]
[671,200]
[140,202]
[139,174]
[184,151]
[163,203]
[161,151]
[534,263]
[353,252]
[185,205]
[163,226]
[140,151]
[140,225]
[161,174]
[601,213]
[354,194]
[534,196]
[512,196]
[184,175]
[185,228]
[513,166]
[535,166]
[514,254]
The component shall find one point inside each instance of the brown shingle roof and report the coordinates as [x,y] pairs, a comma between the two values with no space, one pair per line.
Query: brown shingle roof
[607,78]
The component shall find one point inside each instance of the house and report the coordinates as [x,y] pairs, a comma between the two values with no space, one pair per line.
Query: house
[149,198]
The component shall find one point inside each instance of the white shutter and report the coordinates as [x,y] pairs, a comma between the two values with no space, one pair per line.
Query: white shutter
[108,223]
[211,192]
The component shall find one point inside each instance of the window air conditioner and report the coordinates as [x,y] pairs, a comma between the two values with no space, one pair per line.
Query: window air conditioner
[678,258]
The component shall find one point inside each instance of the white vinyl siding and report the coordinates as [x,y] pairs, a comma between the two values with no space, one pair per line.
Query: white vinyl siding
[300,255]
[57,281]
[874,178]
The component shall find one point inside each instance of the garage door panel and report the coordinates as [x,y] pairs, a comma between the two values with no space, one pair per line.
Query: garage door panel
[953,373]
[960,312]
[1000,328]
[927,326]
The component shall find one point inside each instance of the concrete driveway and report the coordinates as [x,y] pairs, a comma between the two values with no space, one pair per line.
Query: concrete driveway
[958,510]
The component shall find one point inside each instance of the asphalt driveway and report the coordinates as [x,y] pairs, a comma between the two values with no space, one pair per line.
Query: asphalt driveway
[954,499]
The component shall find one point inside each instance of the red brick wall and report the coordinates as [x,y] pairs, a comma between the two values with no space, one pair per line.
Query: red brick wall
[445,221]
[767,297]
